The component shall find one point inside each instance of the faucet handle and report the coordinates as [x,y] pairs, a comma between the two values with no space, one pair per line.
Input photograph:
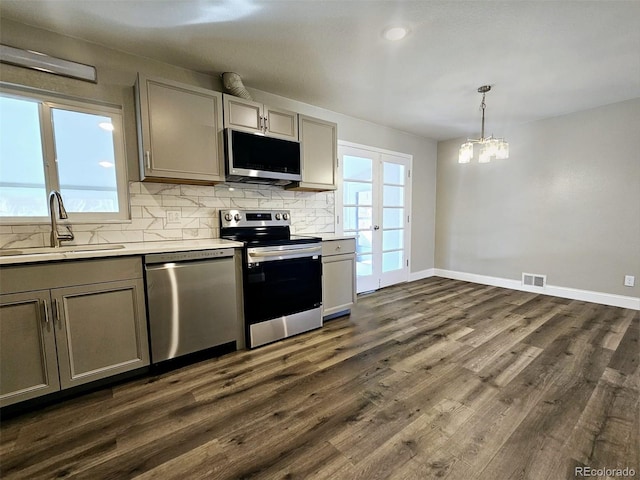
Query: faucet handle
[66,236]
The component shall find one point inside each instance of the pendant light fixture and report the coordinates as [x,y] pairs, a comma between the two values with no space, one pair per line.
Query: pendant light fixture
[489,146]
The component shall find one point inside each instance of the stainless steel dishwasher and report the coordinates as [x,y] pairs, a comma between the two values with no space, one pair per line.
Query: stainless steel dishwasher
[192,301]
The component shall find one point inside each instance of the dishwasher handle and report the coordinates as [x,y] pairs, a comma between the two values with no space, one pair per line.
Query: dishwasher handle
[190,255]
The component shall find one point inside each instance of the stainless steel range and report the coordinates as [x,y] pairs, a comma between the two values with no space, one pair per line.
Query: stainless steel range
[282,274]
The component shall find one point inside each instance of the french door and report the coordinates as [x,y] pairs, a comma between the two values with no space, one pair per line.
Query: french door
[373,205]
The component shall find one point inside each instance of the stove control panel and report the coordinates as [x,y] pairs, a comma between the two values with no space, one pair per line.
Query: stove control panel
[254,218]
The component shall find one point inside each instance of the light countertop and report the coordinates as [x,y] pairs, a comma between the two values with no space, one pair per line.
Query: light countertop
[78,252]
[332,236]
[102,250]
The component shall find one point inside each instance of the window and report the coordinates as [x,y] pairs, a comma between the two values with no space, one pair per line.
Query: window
[74,147]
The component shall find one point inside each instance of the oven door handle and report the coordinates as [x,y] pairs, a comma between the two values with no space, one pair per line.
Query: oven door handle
[283,254]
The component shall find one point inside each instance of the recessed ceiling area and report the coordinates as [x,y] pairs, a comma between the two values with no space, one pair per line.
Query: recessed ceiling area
[542,58]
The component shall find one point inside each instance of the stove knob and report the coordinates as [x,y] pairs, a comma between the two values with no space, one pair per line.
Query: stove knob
[277,216]
[285,216]
[228,217]
[237,217]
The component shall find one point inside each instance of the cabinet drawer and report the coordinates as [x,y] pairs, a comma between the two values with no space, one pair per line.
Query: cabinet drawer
[39,276]
[338,247]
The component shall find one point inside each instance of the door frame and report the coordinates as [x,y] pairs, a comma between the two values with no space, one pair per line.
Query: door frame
[339,199]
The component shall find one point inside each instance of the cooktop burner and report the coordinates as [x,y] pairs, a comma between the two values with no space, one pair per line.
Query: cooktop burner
[260,228]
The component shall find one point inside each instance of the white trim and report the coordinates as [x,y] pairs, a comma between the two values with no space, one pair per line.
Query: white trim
[373,149]
[553,290]
[379,156]
[46,104]
[422,274]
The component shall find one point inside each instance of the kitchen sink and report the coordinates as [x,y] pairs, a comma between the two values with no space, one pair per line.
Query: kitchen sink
[65,249]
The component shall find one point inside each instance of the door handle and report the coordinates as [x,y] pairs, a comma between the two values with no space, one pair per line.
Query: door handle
[376,227]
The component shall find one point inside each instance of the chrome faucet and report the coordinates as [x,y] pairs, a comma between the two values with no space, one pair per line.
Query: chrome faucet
[55,235]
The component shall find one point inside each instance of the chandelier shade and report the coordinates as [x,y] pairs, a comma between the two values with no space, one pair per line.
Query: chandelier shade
[490,147]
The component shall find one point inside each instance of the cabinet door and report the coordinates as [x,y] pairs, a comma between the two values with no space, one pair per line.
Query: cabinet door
[180,130]
[28,363]
[338,283]
[100,330]
[241,114]
[281,123]
[250,116]
[318,147]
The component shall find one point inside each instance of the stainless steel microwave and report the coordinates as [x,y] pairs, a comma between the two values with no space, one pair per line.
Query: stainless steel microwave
[255,158]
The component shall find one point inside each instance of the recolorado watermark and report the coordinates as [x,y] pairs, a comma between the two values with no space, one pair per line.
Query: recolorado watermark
[604,472]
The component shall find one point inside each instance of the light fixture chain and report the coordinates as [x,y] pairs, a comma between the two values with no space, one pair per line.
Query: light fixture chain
[482,106]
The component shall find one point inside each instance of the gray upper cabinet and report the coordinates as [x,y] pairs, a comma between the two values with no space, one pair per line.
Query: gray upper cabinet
[69,323]
[179,132]
[250,116]
[319,151]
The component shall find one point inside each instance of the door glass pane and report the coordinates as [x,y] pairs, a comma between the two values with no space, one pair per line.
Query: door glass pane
[86,161]
[392,217]
[364,265]
[392,239]
[357,193]
[363,242]
[392,261]
[393,173]
[393,196]
[22,187]
[357,218]
[357,168]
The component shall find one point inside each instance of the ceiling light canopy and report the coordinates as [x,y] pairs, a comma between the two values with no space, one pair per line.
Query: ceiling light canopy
[395,33]
[489,146]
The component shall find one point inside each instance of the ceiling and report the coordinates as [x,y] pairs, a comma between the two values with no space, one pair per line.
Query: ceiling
[543,58]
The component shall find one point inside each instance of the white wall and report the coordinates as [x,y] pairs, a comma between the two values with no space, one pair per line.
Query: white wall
[565,204]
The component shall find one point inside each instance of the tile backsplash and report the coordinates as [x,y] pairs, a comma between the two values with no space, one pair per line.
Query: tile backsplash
[162,211]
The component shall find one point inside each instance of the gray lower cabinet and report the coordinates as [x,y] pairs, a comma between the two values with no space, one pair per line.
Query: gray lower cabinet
[28,358]
[338,276]
[73,333]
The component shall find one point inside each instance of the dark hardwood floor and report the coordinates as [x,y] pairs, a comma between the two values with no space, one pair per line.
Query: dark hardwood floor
[431,379]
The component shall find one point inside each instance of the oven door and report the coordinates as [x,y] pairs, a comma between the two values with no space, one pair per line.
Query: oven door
[279,286]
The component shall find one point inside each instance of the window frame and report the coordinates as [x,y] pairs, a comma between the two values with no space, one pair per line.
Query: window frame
[46,103]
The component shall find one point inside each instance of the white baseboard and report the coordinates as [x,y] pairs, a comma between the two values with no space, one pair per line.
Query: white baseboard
[429,272]
[563,292]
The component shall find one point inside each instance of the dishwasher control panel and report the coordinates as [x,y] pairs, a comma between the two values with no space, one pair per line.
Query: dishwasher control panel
[189,255]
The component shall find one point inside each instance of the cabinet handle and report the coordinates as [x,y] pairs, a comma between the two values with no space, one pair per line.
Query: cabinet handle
[266,124]
[46,312]
[339,247]
[147,159]
[57,310]
[376,227]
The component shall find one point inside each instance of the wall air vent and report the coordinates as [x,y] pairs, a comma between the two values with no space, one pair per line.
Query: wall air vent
[534,280]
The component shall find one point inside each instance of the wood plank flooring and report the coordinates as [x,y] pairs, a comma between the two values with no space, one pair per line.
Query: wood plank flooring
[431,379]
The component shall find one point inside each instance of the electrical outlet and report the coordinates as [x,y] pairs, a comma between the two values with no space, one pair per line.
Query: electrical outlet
[629,281]
[173,216]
